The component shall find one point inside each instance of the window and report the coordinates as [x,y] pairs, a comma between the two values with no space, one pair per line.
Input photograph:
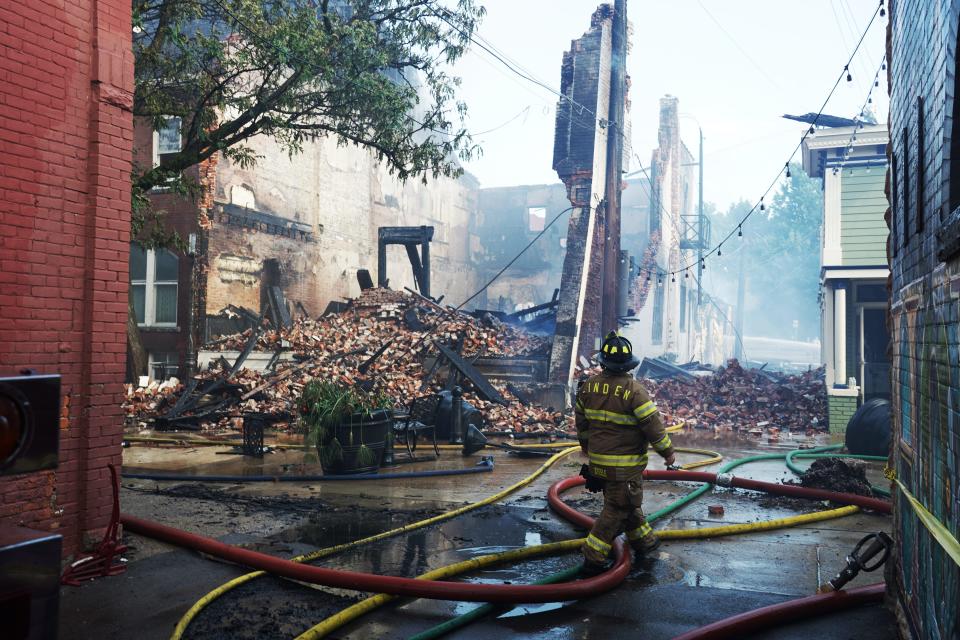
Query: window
[906,187]
[683,307]
[167,142]
[536,218]
[657,329]
[153,279]
[163,365]
[894,203]
[920,168]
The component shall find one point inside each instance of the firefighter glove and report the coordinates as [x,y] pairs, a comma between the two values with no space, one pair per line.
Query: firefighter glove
[593,484]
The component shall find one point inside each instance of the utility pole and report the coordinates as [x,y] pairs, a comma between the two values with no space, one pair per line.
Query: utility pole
[700,240]
[741,296]
[614,179]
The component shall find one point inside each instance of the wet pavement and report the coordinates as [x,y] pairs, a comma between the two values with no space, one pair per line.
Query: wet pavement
[688,583]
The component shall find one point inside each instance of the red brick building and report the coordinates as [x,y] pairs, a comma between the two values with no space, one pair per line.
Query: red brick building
[66,129]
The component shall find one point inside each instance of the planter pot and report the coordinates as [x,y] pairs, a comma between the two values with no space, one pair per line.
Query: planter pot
[356,431]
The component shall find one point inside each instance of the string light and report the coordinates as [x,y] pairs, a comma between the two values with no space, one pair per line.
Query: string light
[686,273]
[811,131]
[673,278]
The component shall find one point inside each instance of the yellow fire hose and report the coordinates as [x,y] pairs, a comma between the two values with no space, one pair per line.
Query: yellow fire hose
[365,606]
[229,443]
[322,553]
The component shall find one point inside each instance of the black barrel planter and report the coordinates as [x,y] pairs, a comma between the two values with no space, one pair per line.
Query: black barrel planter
[360,429]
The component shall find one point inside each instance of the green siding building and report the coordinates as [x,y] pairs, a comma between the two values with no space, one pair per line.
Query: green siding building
[852,162]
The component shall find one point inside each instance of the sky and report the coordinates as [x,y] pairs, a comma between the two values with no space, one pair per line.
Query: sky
[736,67]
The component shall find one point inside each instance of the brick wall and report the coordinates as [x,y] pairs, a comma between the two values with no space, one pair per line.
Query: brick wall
[925,312]
[840,409]
[66,127]
[182,215]
[579,158]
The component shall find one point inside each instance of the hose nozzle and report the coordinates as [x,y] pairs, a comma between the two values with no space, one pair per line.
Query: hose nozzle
[860,559]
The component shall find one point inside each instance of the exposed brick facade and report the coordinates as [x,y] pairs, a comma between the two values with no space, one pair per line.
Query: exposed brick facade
[925,308]
[66,127]
[579,158]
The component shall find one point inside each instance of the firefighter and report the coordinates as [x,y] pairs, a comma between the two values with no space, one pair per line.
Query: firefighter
[616,421]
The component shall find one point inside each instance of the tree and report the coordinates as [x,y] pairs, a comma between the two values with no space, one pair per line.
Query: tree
[372,73]
[780,248]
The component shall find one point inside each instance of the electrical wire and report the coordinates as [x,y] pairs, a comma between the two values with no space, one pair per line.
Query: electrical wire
[736,43]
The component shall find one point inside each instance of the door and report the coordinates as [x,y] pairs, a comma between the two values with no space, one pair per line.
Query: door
[874,362]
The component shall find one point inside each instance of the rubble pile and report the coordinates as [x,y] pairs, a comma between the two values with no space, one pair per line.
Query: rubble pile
[744,400]
[378,342]
[844,475]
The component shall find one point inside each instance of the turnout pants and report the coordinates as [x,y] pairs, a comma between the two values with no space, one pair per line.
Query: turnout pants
[622,512]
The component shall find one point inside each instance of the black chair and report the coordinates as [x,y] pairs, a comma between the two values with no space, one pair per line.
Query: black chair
[419,421]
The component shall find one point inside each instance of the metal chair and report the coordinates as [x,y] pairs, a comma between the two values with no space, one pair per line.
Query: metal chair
[420,420]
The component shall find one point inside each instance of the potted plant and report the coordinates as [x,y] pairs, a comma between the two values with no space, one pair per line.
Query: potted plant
[348,426]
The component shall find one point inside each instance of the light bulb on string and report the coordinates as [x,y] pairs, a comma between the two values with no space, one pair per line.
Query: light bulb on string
[719,253]
[686,273]
[673,278]
[762,207]
[812,130]
[883,11]
[883,65]
[849,76]
[787,165]
[739,230]
[703,264]
[659,280]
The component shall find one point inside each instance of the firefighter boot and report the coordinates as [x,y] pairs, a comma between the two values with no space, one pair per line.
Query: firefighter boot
[592,569]
[645,546]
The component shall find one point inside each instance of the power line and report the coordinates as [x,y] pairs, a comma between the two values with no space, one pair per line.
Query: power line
[740,48]
[845,73]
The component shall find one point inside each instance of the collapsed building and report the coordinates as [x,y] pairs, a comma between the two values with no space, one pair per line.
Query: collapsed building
[304,224]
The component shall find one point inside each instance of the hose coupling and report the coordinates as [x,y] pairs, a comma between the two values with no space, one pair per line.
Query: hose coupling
[724,479]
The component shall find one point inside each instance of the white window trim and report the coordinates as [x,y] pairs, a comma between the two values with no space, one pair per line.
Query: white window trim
[156,146]
[152,362]
[150,293]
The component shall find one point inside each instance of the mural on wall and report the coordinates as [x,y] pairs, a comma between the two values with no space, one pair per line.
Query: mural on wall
[927,391]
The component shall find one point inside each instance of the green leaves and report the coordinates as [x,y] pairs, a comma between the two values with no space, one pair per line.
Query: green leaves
[365,72]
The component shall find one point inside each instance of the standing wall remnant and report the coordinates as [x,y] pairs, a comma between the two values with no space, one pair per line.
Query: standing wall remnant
[580,159]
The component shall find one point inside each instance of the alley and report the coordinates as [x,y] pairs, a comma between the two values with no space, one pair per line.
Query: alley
[479,318]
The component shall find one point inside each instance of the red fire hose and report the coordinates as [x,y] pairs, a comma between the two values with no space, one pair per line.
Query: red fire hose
[874,504]
[470,592]
[778,614]
[437,590]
